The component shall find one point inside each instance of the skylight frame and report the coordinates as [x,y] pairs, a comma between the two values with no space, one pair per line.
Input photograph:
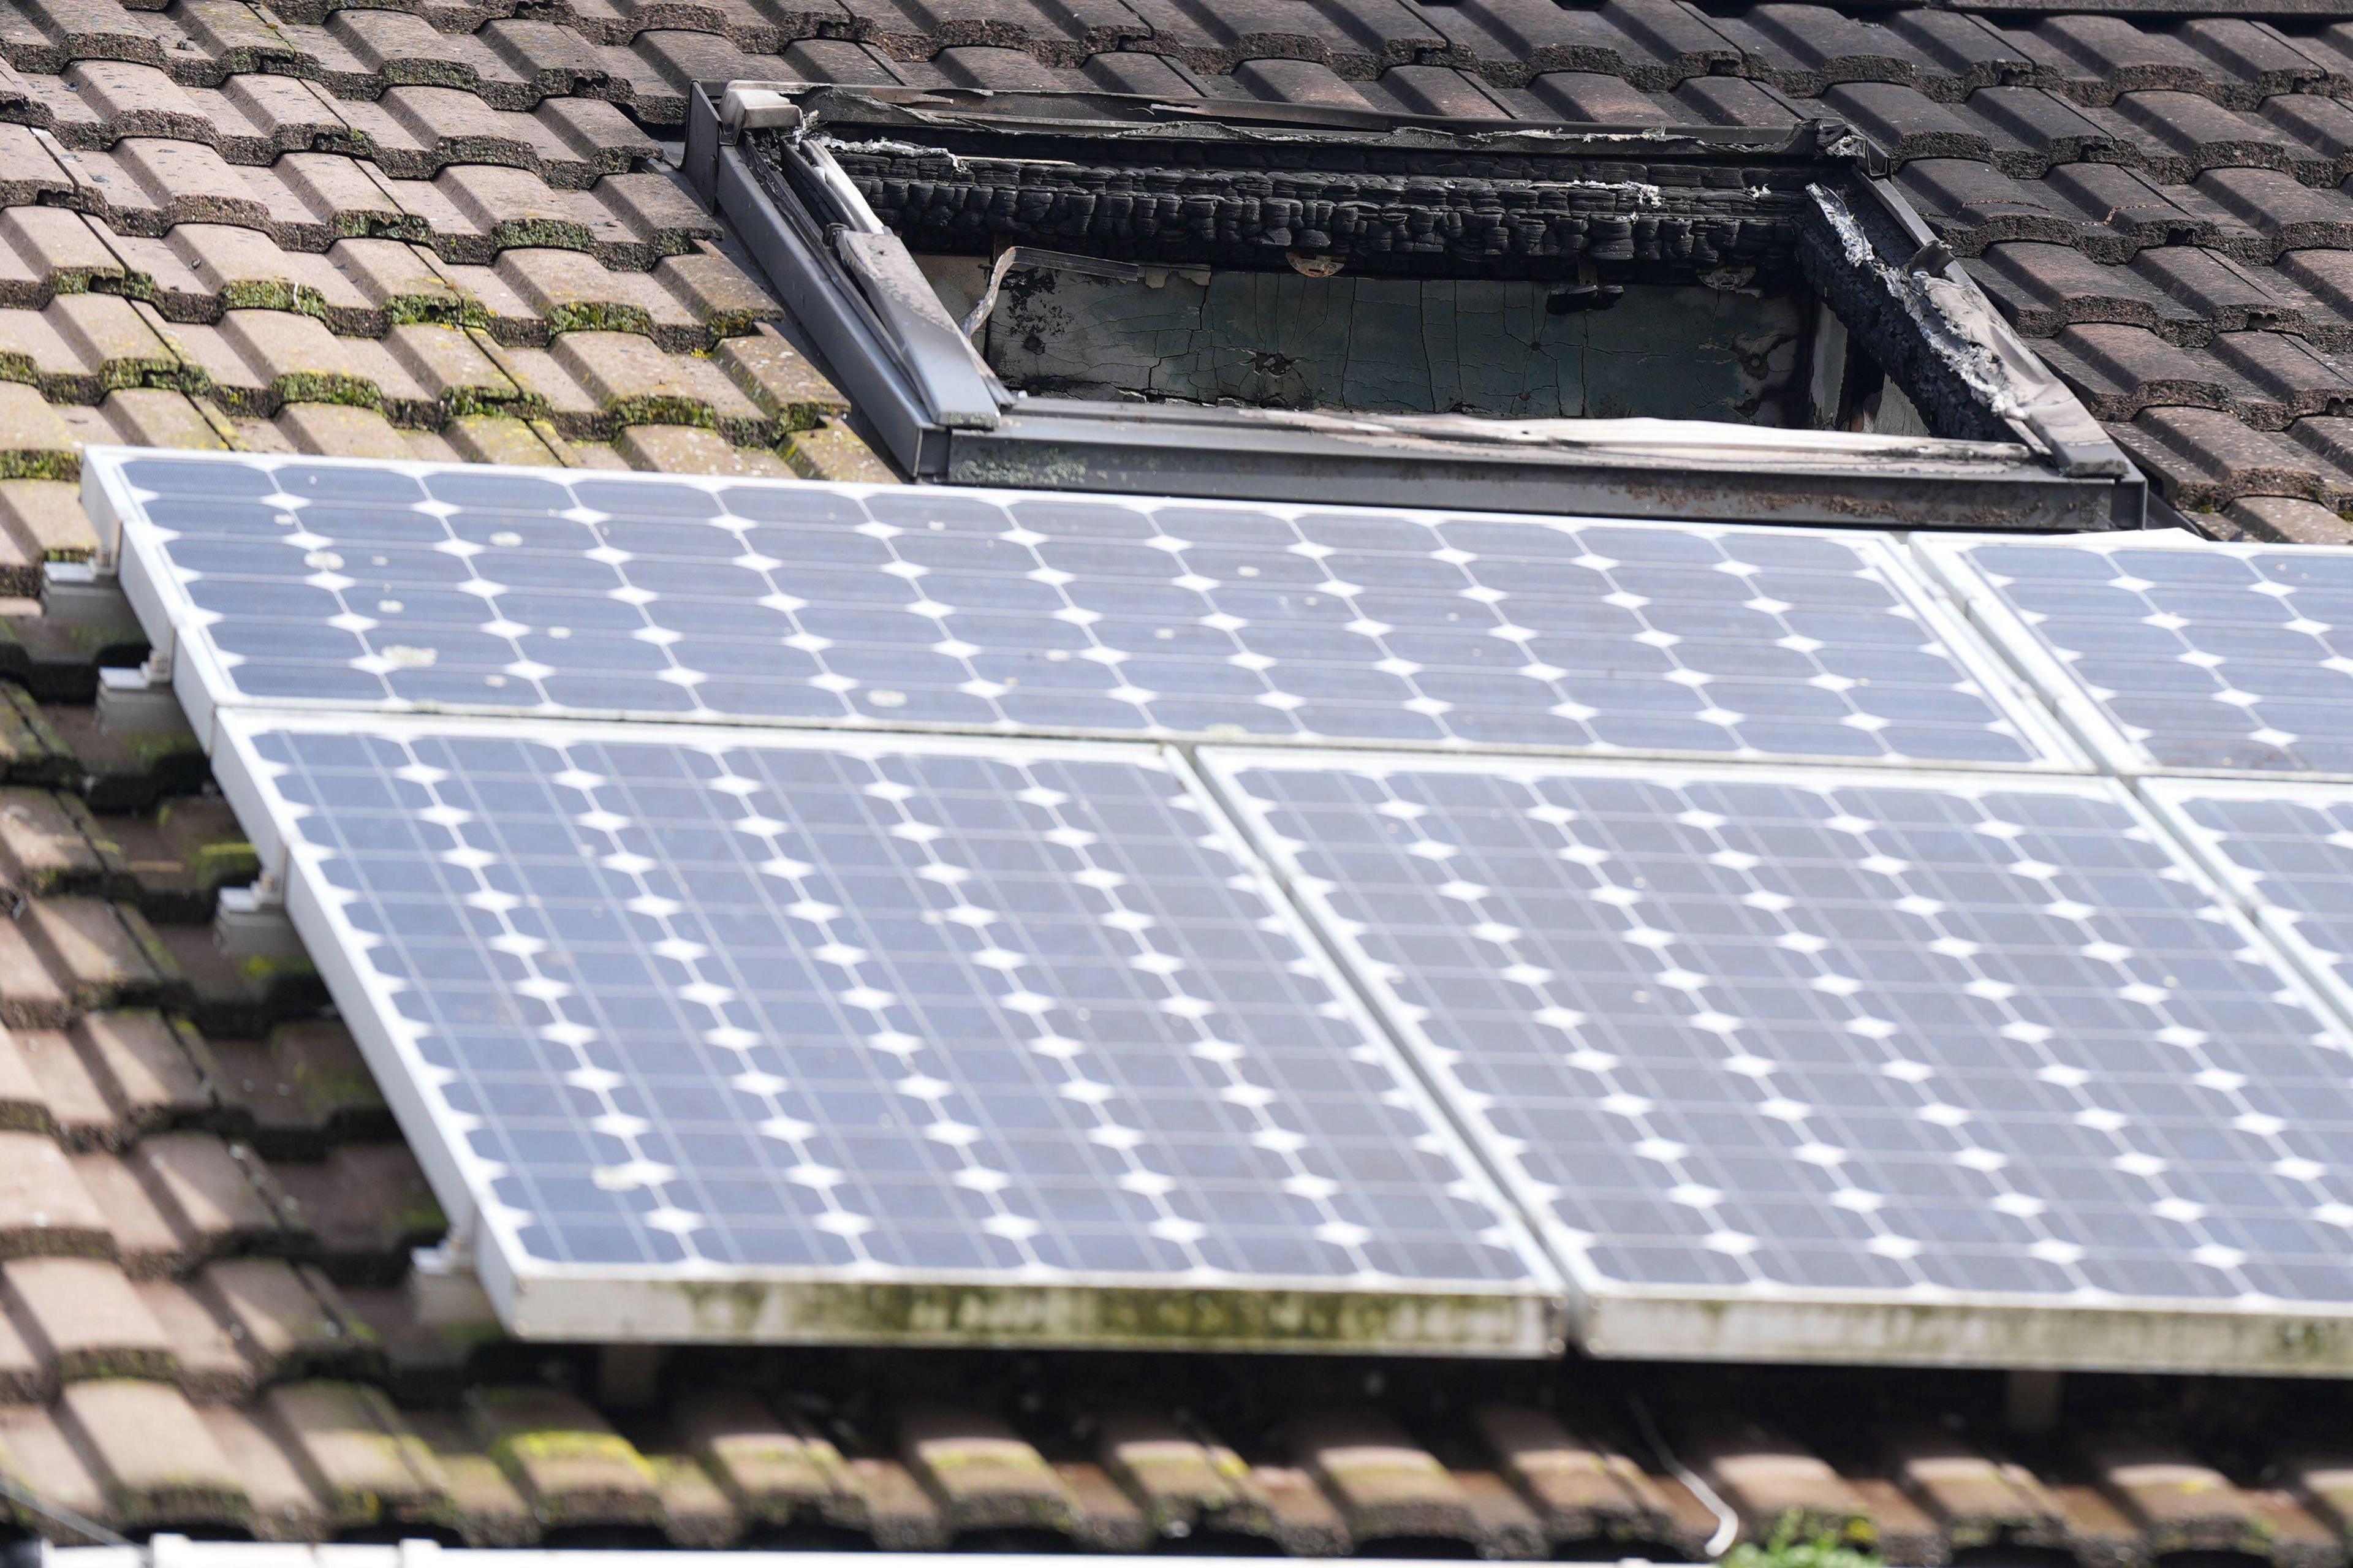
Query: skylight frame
[944,415]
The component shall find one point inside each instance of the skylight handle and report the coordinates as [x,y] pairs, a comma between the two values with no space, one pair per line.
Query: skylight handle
[748,108]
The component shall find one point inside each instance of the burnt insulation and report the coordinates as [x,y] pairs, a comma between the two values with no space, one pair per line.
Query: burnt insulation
[1443,213]
[1455,224]
[1879,324]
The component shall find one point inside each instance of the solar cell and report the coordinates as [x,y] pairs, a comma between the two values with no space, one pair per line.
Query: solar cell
[795,1038]
[456,589]
[2190,656]
[1825,1063]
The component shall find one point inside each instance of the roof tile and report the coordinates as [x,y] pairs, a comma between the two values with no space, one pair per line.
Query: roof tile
[2278,520]
[2181,1504]
[82,1318]
[1306,1524]
[209,1366]
[357,1455]
[1186,1486]
[2205,460]
[44,1204]
[1767,1477]
[2119,371]
[1977,1500]
[1105,1518]
[1582,1490]
[566,1460]
[982,1476]
[37,1454]
[281,1505]
[773,1468]
[155,1458]
[1385,1485]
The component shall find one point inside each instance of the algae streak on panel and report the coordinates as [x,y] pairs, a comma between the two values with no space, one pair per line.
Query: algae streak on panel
[1174,1318]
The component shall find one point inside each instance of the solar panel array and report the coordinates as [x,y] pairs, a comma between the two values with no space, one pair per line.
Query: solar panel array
[727,1002]
[1112,921]
[1799,1031]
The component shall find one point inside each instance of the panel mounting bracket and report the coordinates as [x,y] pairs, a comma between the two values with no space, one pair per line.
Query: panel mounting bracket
[250,923]
[138,699]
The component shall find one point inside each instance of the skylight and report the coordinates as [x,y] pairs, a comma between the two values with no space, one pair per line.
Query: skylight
[1092,290]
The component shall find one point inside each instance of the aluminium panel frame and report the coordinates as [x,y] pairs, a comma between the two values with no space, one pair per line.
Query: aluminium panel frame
[205,684]
[1944,561]
[1615,1321]
[944,415]
[541,1300]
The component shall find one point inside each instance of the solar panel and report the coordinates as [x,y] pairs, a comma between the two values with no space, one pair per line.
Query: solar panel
[1800,1063]
[454,588]
[2285,850]
[795,1038]
[2191,655]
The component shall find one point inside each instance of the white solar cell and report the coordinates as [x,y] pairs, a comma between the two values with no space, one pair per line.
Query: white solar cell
[2173,654]
[296,582]
[723,1035]
[1795,1063]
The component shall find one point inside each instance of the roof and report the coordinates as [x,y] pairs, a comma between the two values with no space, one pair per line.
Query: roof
[235,225]
[450,231]
[206,1215]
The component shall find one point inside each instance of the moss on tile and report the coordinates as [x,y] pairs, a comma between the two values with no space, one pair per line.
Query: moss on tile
[437,311]
[661,408]
[1800,1541]
[593,316]
[273,294]
[471,402]
[32,463]
[265,973]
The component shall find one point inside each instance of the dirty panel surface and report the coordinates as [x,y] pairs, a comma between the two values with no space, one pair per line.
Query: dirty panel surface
[1744,1035]
[392,587]
[677,1002]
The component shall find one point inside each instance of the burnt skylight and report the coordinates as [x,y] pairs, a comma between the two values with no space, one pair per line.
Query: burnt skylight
[1108,292]
[1492,348]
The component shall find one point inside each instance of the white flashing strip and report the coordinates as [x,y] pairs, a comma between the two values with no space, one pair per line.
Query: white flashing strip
[179,1551]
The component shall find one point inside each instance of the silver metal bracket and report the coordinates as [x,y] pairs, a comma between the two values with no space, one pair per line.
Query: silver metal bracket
[138,701]
[443,1289]
[250,923]
[80,593]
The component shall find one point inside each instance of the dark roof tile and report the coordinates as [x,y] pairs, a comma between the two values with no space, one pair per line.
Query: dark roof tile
[1385,1485]
[1769,1478]
[2118,371]
[980,1474]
